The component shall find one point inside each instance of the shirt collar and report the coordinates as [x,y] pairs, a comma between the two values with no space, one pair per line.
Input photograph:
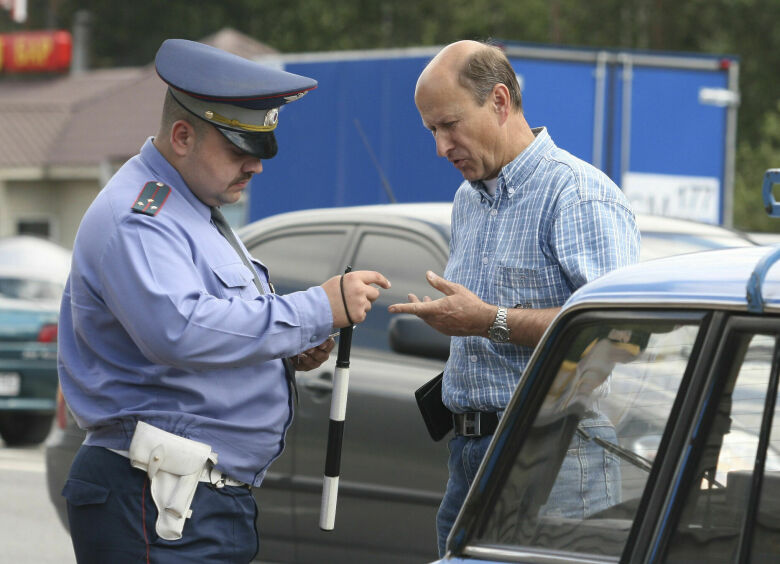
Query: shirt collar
[165,172]
[516,171]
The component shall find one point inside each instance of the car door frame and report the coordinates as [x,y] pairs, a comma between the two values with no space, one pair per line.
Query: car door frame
[528,397]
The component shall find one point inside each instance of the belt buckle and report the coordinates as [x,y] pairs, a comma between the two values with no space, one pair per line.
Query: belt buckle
[472,424]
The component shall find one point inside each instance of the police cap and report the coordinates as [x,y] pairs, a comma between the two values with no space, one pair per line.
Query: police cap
[239,97]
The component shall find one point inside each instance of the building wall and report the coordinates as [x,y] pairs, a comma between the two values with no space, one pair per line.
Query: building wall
[78,197]
[5,217]
[58,204]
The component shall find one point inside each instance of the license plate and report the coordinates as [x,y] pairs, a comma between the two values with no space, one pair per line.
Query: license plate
[9,384]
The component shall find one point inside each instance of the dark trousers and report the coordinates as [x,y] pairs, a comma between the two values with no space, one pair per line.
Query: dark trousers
[112,517]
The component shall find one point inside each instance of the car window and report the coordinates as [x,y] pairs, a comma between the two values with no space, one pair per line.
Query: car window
[297,260]
[30,289]
[717,504]
[576,481]
[403,261]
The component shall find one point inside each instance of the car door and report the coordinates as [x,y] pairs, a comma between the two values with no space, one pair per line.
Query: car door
[297,257]
[568,476]
[392,474]
[729,506]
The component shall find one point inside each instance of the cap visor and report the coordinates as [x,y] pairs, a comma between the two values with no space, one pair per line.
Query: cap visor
[261,145]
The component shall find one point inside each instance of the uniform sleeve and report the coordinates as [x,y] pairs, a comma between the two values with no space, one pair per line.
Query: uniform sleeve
[150,282]
[591,238]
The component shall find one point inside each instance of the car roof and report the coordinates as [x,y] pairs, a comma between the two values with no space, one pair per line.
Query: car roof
[440,213]
[716,278]
[432,212]
[30,257]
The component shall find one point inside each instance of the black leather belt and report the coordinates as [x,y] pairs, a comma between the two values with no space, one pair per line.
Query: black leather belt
[475,423]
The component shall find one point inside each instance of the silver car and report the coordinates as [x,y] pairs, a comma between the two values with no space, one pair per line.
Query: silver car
[392,474]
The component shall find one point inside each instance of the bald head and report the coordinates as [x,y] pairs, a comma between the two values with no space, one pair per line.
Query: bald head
[469,99]
[475,66]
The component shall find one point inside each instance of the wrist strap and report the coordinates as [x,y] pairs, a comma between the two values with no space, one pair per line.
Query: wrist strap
[344,300]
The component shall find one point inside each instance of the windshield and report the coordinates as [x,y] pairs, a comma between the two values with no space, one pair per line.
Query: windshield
[576,481]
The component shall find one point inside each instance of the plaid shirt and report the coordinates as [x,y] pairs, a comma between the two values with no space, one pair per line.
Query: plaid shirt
[554,224]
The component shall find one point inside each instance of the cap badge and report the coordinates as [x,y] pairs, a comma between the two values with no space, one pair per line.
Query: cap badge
[271,117]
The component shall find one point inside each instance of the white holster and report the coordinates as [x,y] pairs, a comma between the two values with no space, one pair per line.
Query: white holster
[174,465]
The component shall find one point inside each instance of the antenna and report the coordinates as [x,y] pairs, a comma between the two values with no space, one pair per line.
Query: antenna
[382,177]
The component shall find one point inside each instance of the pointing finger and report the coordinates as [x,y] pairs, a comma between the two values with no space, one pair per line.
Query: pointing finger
[372,277]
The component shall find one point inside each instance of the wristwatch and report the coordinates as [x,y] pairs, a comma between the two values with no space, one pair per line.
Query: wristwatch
[499,331]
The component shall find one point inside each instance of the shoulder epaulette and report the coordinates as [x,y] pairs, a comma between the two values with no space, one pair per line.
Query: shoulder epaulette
[151,199]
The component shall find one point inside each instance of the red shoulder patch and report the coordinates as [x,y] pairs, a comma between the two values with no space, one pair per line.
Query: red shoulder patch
[151,198]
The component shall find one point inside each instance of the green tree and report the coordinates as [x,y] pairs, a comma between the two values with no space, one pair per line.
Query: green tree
[755,157]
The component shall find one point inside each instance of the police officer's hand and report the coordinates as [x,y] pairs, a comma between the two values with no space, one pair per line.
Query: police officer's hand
[358,295]
[460,312]
[314,357]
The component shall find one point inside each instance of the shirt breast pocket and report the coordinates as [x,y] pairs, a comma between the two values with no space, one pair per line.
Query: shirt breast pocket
[236,281]
[531,287]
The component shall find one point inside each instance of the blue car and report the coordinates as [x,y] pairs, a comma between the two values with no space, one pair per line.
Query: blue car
[32,278]
[681,357]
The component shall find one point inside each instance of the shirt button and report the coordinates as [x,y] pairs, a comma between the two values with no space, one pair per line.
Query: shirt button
[473,358]
[314,339]
[511,190]
[484,260]
[494,213]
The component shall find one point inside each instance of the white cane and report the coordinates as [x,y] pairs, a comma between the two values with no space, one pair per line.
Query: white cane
[338,409]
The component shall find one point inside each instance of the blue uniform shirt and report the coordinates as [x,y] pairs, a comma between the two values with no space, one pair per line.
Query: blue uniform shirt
[554,224]
[161,322]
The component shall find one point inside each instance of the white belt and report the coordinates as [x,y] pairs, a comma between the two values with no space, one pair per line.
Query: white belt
[209,475]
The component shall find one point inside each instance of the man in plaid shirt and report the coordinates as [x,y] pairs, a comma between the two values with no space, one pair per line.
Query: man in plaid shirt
[531,223]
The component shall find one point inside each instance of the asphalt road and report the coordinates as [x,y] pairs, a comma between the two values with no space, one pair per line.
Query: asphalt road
[30,531]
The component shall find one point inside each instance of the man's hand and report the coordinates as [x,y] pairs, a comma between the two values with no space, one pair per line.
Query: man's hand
[459,313]
[359,294]
[314,357]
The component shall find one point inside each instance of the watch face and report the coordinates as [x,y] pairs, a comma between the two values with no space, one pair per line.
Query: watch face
[499,334]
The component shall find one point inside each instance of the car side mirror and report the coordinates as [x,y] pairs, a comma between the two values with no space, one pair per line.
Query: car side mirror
[408,334]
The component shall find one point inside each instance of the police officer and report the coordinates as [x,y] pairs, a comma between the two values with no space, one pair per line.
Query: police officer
[175,354]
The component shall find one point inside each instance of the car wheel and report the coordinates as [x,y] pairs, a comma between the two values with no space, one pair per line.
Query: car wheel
[24,428]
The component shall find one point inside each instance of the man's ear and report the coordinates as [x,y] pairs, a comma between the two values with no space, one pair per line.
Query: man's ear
[182,138]
[501,100]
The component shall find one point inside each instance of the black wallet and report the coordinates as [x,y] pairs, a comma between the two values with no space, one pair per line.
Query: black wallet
[438,419]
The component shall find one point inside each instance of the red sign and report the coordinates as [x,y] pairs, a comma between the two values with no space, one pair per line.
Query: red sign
[35,51]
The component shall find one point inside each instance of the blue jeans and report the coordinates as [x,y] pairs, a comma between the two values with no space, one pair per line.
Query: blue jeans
[112,517]
[588,481]
[465,456]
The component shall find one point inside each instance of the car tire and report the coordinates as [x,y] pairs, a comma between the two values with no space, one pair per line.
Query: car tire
[18,429]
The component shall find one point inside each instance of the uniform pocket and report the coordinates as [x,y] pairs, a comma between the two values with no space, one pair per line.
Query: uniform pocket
[79,492]
[237,280]
[531,287]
